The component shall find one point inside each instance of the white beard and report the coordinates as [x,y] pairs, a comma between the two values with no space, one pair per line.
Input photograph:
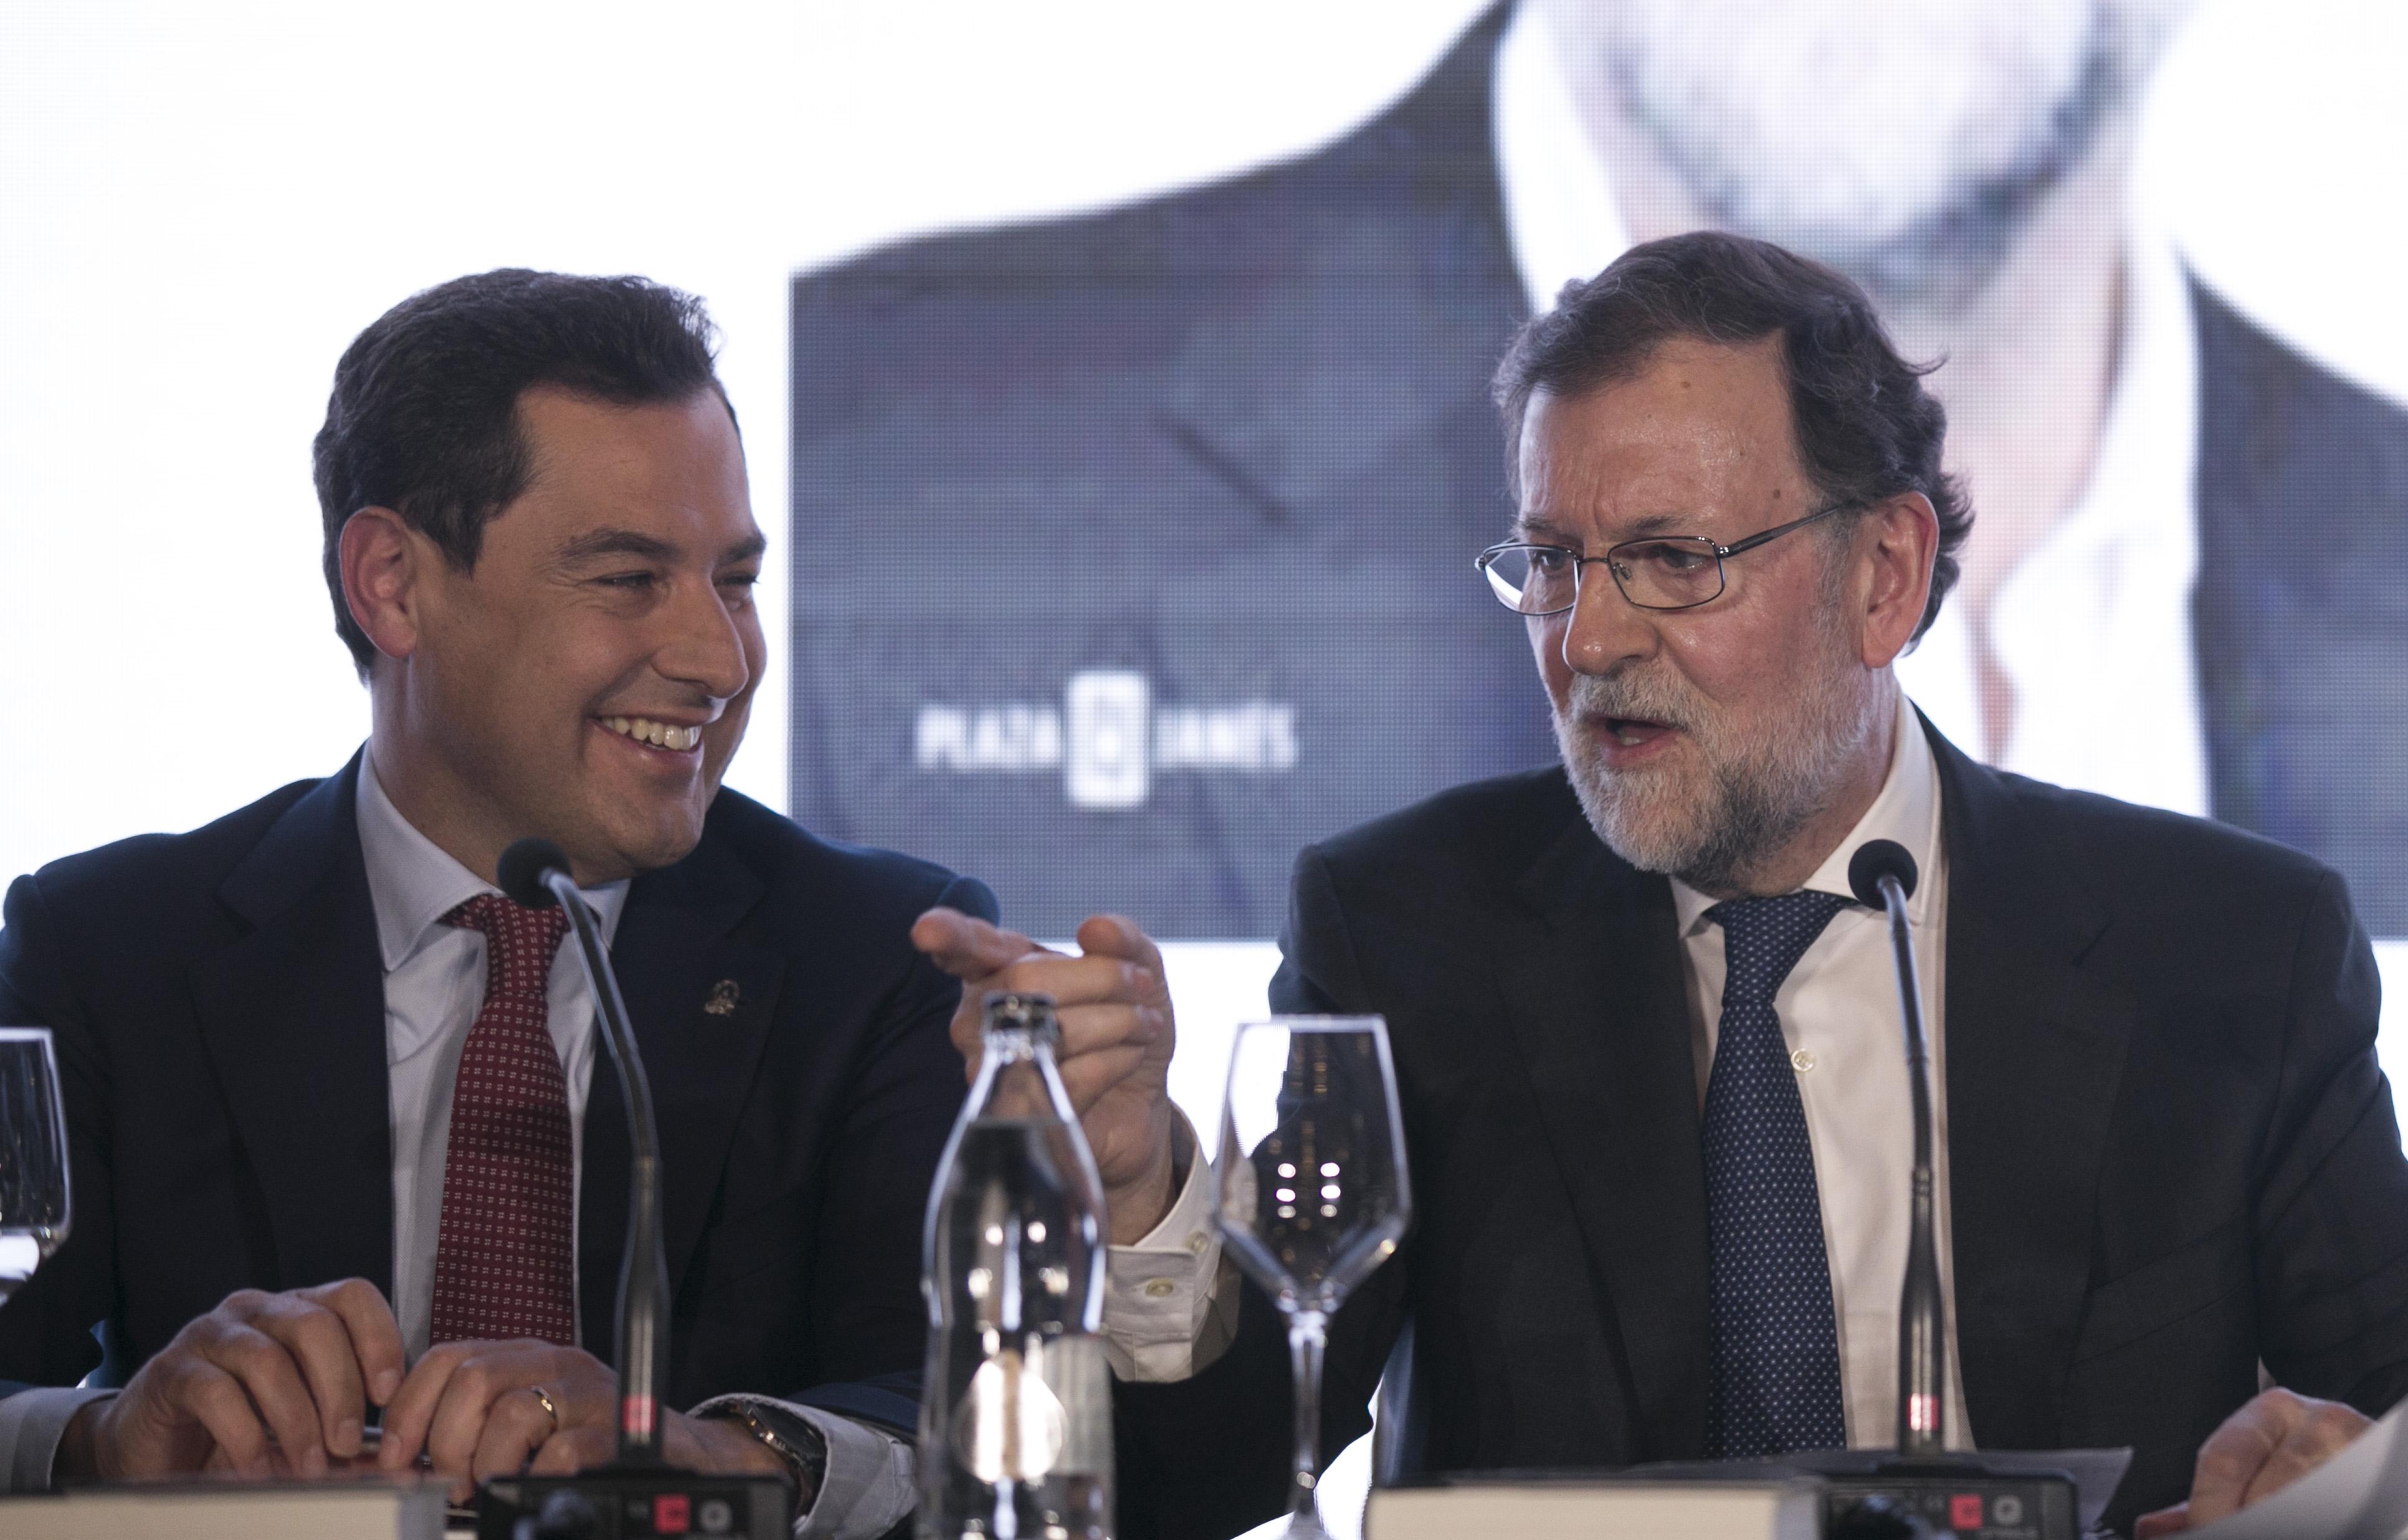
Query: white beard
[1902,141]
[1761,783]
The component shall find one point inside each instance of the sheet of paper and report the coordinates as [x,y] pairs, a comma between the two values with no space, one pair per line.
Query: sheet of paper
[2361,1494]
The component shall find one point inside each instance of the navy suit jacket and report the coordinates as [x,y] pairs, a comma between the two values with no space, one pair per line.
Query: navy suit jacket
[2171,1154]
[218,1002]
[1237,440]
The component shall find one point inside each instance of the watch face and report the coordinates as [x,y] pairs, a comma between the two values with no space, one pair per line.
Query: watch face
[795,1440]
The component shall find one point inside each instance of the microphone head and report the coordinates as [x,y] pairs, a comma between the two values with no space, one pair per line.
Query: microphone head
[1873,861]
[521,872]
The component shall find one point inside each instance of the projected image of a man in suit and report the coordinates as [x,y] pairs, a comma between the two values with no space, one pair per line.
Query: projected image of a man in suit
[1189,490]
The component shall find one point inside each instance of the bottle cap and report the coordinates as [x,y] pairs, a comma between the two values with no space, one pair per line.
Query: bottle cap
[1030,1013]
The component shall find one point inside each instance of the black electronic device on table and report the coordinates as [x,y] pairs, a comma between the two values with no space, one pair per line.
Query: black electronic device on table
[639,1493]
[1969,1502]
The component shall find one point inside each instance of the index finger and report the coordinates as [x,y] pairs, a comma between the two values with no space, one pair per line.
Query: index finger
[966,946]
[411,1413]
[321,1345]
[376,1337]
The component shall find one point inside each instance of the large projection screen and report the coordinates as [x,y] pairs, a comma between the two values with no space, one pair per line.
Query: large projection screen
[1112,379]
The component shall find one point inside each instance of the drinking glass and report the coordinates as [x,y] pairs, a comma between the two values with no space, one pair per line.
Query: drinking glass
[32,1156]
[1313,1193]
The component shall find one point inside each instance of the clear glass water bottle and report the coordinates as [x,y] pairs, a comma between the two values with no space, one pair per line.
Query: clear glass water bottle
[1015,1409]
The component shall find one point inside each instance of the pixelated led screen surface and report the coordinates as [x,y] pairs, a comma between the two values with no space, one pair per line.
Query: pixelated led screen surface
[1114,384]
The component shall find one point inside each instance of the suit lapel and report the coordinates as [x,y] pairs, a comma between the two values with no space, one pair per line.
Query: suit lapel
[294,1016]
[700,1001]
[1594,995]
[2034,1049]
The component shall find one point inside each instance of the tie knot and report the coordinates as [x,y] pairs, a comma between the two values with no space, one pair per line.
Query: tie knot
[520,941]
[1763,938]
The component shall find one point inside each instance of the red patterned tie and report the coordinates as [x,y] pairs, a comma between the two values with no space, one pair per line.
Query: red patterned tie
[506,1264]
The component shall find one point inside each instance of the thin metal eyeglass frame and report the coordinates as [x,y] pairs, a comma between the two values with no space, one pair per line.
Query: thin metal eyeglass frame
[1721,553]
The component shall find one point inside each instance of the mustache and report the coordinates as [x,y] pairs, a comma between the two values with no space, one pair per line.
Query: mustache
[1638,698]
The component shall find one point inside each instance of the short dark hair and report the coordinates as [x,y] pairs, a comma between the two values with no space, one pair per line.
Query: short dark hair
[1866,428]
[423,419]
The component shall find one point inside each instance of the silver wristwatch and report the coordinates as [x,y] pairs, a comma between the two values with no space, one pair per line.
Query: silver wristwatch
[790,1437]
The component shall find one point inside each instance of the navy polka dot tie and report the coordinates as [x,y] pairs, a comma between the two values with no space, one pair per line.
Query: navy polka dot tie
[1776,1348]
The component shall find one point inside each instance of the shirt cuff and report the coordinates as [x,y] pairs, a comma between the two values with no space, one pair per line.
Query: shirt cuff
[872,1478]
[1159,1293]
[32,1423]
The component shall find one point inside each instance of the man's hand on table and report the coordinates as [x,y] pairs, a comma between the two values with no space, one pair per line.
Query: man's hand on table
[277,1386]
[1117,1035]
[472,1407]
[2277,1438]
[265,1385]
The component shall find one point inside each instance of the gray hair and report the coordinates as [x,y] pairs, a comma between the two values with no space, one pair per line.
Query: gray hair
[1866,429]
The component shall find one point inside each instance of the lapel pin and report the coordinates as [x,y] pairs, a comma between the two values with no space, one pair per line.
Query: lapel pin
[723,996]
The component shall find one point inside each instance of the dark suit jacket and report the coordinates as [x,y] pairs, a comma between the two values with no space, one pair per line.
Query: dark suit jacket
[218,1001]
[2171,1151]
[1238,439]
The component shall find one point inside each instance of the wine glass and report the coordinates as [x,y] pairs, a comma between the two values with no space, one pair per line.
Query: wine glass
[1313,1194]
[32,1156]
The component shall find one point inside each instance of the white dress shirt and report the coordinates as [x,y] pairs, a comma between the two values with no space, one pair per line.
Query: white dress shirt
[2092,628]
[1169,1306]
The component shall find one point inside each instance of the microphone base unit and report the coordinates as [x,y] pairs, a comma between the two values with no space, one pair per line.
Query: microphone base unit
[621,1504]
[1959,1498]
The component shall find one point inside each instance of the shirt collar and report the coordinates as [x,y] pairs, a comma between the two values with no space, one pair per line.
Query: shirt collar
[414,882]
[1906,810]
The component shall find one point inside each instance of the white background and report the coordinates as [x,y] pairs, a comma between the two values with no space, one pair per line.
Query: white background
[200,206]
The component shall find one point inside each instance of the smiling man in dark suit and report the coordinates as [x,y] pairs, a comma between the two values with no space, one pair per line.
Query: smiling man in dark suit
[340,1139]
[1647,1047]
[1235,435]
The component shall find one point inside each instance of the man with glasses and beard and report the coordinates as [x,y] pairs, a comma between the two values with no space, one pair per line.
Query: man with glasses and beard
[1647,1045]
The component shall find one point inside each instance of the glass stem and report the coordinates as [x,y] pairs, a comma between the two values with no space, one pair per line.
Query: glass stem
[1306,1336]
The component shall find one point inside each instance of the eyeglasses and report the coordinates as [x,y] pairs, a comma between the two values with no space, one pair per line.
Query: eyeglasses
[1661,572]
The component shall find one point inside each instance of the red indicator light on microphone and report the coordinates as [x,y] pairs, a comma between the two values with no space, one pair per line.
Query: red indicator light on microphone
[670,1514]
[1964,1511]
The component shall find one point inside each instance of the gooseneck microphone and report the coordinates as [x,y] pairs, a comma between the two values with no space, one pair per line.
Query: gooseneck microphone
[1881,875]
[1920,1487]
[1963,1495]
[535,872]
[639,1493]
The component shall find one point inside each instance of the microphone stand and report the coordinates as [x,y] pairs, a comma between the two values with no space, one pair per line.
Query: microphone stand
[639,1494]
[1923,1481]
[1922,1407]
[1922,1487]
[644,1272]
